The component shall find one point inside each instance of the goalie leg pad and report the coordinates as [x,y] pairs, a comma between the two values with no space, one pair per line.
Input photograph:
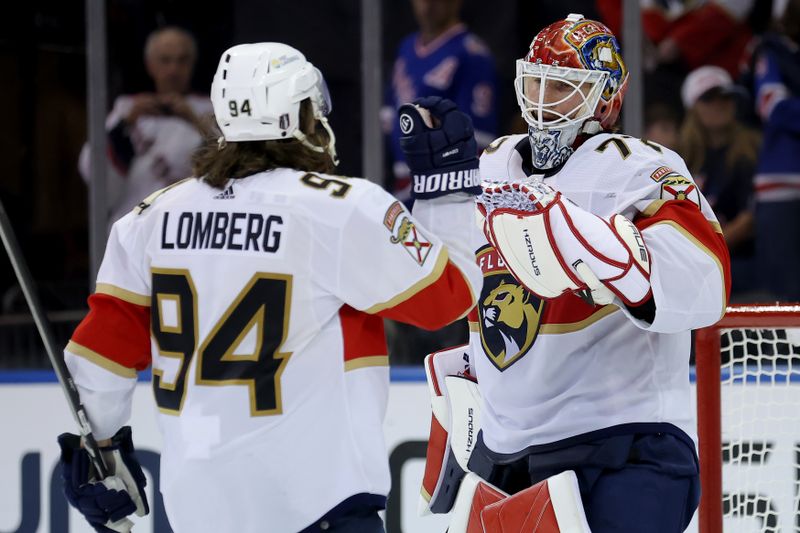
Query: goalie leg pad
[551,506]
[455,422]
[474,495]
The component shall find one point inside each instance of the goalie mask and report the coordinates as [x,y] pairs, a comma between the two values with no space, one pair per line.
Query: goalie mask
[571,82]
[257,92]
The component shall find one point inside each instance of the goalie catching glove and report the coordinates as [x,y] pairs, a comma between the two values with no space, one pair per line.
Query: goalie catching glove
[552,246]
[105,503]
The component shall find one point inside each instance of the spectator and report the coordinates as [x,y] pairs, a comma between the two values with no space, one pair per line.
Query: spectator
[721,153]
[662,124]
[691,33]
[777,183]
[441,59]
[151,136]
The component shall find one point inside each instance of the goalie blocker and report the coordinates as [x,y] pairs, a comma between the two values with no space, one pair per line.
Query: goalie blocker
[552,246]
[550,506]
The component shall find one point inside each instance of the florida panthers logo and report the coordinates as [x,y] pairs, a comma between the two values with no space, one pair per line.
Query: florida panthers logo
[602,53]
[509,319]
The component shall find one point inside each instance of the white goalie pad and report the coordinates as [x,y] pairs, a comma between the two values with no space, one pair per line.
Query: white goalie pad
[552,246]
[455,422]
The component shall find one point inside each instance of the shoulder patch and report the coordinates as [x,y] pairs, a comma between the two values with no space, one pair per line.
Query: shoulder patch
[412,240]
[391,215]
[147,202]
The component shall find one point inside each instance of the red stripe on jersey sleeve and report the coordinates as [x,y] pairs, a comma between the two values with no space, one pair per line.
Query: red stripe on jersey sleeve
[687,218]
[117,330]
[567,309]
[362,334]
[442,302]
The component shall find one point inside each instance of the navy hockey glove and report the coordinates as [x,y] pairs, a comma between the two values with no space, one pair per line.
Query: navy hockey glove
[442,154]
[104,503]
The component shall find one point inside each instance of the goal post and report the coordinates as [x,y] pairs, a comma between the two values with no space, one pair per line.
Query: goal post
[745,365]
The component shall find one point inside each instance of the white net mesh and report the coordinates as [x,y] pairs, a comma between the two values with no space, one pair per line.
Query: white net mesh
[761,430]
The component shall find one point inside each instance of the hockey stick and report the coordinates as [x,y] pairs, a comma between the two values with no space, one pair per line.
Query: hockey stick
[46,333]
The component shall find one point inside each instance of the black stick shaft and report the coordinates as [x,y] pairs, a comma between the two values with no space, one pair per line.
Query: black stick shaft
[45,331]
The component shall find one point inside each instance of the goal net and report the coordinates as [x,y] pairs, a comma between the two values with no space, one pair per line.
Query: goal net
[748,395]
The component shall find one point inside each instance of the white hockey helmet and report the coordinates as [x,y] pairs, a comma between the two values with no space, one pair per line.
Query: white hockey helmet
[257,91]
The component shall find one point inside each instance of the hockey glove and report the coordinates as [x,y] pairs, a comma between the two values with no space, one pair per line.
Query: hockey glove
[552,246]
[439,144]
[104,503]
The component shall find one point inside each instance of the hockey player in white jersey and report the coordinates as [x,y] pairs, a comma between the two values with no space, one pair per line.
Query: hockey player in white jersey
[256,293]
[600,257]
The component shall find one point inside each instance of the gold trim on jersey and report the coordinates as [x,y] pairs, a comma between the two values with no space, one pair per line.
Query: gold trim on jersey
[150,200]
[257,321]
[100,360]
[570,327]
[176,298]
[474,327]
[122,294]
[435,274]
[691,238]
[655,205]
[424,494]
[495,145]
[366,361]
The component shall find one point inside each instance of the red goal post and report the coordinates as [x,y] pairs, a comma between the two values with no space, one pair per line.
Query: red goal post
[708,360]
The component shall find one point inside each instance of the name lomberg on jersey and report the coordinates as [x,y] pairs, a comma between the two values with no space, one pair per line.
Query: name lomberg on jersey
[221,231]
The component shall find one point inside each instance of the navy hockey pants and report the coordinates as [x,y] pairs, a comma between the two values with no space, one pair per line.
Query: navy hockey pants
[357,514]
[356,522]
[629,483]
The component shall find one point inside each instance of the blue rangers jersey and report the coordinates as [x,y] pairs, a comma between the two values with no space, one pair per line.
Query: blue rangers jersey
[457,65]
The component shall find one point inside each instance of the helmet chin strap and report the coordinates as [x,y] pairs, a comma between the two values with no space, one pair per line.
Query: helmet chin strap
[330,148]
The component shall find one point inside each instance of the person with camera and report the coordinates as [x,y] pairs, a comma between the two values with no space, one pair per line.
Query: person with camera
[152,135]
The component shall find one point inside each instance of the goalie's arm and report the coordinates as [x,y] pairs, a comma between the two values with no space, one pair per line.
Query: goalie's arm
[690,272]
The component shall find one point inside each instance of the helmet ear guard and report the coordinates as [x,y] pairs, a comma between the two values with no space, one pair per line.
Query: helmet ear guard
[257,92]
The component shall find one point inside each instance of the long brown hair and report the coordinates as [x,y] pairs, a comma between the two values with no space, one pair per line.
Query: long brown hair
[744,143]
[216,165]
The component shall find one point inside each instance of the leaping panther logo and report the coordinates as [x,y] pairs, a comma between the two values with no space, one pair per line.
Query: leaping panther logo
[510,318]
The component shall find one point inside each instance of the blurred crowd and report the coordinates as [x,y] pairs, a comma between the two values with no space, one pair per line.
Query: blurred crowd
[721,87]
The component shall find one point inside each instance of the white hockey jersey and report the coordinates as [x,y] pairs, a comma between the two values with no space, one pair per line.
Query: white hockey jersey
[260,311]
[562,369]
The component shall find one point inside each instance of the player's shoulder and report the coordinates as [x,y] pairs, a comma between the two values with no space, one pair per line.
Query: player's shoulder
[636,169]
[503,155]
[626,153]
[475,46]
[344,201]
[164,196]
